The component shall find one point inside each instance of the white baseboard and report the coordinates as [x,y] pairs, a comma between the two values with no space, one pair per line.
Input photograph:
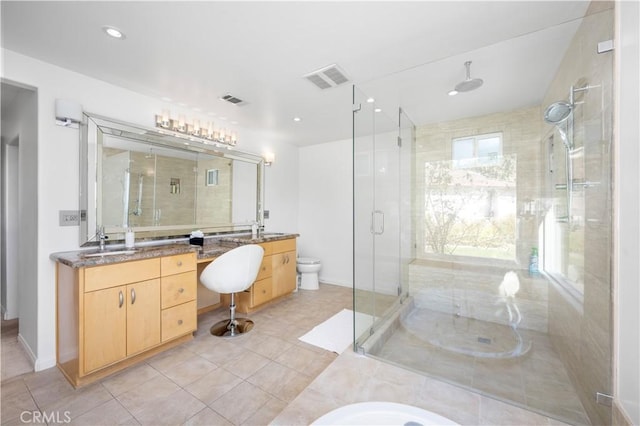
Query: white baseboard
[27,349]
[39,364]
[340,283]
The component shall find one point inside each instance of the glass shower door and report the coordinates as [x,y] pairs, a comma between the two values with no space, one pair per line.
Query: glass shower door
[377,217]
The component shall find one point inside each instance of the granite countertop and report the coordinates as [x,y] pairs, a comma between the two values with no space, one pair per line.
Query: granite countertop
[213,247]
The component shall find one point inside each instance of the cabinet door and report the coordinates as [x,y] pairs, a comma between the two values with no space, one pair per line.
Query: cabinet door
[143,315]
[105,327]
[283,273]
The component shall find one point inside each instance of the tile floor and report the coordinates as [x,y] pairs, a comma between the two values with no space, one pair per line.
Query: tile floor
[267,376]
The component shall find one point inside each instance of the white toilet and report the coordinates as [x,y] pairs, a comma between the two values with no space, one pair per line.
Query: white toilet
[308,267]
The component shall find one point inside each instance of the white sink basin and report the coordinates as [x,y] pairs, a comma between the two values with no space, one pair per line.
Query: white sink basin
[110,253]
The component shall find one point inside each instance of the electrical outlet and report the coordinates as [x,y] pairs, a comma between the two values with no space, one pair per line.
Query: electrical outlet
[69,218]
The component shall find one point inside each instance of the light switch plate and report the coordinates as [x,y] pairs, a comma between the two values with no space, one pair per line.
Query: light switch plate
[266,214]
[69,218]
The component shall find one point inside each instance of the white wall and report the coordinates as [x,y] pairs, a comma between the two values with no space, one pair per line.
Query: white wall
[10,231]
[58,170]
[627,280]
[325,197]
[18,124]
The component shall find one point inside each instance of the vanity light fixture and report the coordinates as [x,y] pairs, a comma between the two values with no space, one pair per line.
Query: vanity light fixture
[113,32]
[269,157]
[196,128]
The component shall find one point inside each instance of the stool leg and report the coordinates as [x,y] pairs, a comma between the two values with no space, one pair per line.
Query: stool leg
[232,315]
[233,326]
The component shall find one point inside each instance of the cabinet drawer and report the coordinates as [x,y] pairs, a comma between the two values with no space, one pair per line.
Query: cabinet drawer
[265,268]
[178,288]
[177,264]
[267,248]
[105,276]
[261,291]
[179,320]
[282,246]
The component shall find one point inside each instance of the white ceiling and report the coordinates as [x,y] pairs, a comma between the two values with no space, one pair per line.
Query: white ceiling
[407,54]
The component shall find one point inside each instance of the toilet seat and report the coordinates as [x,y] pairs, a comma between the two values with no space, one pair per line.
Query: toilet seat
[308,261]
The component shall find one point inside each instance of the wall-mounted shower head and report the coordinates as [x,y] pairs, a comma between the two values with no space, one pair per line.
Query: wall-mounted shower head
[468,84]
[558,112]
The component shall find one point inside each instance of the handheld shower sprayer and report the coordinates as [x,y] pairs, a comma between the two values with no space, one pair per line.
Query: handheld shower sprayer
[558,114]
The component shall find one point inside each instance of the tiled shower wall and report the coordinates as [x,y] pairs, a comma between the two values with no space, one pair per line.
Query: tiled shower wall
[581,331]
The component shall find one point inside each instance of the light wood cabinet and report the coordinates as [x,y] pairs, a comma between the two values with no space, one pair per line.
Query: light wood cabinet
[143,316]
[105,341]
[179,320]
[110,316]
[120,322]
[276,278]
[284,272]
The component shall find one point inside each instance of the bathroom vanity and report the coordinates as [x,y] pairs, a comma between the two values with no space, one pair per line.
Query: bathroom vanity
[117,308]
[276,278]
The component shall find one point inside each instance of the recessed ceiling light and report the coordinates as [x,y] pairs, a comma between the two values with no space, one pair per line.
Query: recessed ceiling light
[453,93]
[113,32]
[378,110]
[370,100]
[297,119]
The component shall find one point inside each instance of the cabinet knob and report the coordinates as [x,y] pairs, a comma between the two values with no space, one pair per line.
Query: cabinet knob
[181,290]
[179,322]
[180,263]
[264,291]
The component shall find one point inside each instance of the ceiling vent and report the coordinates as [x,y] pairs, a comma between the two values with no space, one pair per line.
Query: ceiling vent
[327,77]
[232,99]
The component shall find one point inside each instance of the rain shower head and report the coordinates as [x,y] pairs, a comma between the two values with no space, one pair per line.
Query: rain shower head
[558,112]
[468,84]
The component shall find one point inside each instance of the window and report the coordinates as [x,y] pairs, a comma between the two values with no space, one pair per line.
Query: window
[479,150]
[469,203]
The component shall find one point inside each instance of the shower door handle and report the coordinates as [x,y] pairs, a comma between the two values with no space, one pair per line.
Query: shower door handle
[374,229]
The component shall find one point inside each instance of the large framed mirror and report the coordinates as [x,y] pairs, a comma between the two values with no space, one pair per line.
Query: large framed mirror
[163,184]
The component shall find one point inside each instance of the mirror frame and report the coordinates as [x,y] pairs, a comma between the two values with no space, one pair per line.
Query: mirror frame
[91,130]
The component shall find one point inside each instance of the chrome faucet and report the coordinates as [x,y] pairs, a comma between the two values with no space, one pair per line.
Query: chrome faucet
[102,237]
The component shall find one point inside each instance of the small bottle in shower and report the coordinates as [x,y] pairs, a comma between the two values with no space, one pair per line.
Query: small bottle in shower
[533,262]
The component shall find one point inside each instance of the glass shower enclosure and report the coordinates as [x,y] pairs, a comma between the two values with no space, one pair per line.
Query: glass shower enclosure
[482,243]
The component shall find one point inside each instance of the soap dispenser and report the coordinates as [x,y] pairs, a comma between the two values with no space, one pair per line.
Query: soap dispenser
[129,239]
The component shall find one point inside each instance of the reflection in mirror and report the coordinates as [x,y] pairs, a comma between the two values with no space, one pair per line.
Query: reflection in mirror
[163,185]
